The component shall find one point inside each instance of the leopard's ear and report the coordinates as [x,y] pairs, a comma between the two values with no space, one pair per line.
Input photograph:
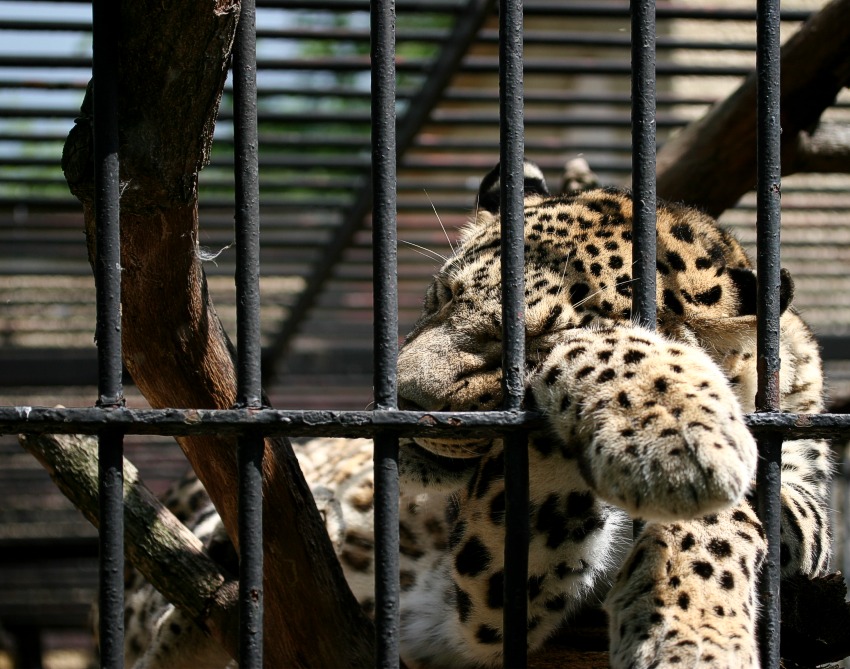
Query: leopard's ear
[745,281]
[488,193]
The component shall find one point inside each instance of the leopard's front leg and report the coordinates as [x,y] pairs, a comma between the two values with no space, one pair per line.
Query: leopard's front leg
[686,597]
[653,423]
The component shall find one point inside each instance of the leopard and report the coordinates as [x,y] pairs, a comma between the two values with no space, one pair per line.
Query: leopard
[637,422]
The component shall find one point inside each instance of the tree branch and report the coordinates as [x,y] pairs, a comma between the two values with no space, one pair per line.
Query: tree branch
[712,162]
[173,64]
[826,150]
[169,556]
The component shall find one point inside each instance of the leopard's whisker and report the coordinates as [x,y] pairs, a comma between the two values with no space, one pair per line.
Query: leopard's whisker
[439,220]
[426,251]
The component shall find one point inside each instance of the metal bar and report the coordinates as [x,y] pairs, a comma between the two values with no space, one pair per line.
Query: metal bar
[768,218]
[249,352]
[179,422]
[443,70]
[643,162]
[106,22]
[385,291]
[511,155]
[643,169]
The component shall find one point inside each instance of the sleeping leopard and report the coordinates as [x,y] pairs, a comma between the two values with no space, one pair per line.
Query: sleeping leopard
[639,424]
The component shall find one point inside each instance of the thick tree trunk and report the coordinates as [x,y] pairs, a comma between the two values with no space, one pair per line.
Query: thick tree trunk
[712,162]
[173,66]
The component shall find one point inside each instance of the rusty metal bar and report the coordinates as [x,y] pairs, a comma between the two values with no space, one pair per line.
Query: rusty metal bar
[106,31]
[768,219]
[385,336]
[249,353]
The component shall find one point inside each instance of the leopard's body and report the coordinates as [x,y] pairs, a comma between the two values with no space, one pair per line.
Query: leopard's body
[640,423]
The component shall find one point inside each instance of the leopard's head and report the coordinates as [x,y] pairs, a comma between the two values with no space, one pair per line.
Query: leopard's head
[578,259]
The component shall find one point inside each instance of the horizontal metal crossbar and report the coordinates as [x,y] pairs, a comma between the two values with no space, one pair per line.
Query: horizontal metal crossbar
[352,424]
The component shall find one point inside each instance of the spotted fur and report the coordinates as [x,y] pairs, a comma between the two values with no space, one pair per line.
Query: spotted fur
[639,423]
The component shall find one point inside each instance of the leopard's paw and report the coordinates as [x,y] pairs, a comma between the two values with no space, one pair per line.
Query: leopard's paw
[654,424]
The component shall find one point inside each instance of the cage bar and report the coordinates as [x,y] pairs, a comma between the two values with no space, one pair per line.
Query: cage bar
[768,218]
[384,148]
[643,162]
[512,179]
[249,352]
[105,25]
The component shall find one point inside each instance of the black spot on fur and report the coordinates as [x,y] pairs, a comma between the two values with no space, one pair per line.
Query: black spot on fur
[684,601]
[710,296]
[606,375]
[683,232]
[552,522]
[488,635]
[719,548]
[727,581]
[552,376]
[675,261]
[496,590]
[578,291]
[633,356]
[672,302]
[535,585]
[688,542]
[579,504]
[464,604]
[703,569]
[473,558]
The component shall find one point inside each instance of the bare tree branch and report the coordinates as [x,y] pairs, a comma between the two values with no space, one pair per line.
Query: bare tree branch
[712,162]
[169,556]
[826,150]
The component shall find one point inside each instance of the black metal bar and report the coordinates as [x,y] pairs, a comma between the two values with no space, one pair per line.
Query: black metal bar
[768,218]
[511,155]
[179,422]
[249,352]
[643,162]
[106,22]
[385,291]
